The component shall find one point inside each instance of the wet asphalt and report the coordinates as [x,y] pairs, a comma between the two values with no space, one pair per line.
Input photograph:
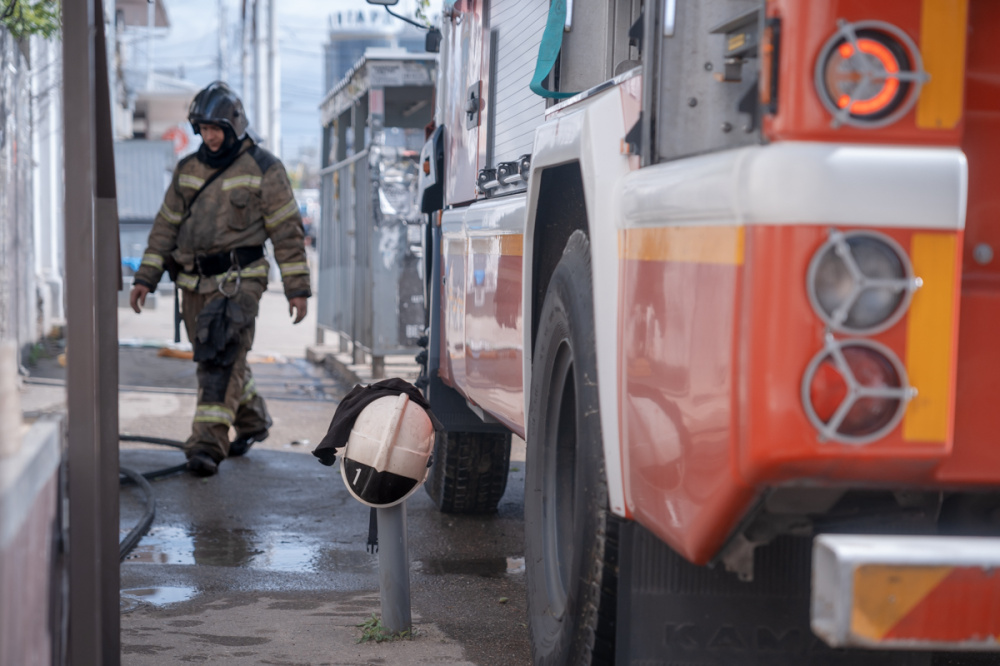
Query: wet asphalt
[266,563]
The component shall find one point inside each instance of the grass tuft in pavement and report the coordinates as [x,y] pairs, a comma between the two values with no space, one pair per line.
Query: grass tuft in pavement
[372,629]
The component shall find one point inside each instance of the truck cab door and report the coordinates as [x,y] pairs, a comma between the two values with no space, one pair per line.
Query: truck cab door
[464,107]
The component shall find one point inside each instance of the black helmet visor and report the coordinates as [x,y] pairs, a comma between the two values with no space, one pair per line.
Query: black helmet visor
[218,105]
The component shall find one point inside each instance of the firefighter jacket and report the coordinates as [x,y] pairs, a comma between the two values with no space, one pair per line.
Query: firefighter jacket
[249,202]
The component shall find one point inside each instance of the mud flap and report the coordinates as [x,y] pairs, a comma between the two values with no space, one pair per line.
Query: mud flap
[671,612]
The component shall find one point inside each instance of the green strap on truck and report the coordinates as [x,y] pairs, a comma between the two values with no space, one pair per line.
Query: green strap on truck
[548,51]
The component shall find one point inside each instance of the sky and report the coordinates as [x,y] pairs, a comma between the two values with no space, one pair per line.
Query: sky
[192,43]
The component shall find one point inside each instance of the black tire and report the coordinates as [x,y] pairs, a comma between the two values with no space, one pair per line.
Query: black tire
[570,543]
[469,472]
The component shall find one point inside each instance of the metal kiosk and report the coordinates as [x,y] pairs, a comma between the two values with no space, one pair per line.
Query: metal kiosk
[370,282]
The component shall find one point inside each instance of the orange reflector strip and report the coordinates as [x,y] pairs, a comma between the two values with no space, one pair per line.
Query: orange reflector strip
[507,245]
[930,338]
[885,594]
[964,606]
[512,245]
[942,42]
[703,245]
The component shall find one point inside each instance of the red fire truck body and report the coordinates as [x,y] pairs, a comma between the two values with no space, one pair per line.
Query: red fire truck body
[752,265]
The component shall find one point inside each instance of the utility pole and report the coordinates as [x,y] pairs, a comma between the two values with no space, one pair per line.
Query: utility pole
[273,81]
[150,24]
[244,69]
[223,46]
[259,96]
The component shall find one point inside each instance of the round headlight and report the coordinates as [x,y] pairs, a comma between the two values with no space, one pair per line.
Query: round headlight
[868,74]
[860,282]
[855,391]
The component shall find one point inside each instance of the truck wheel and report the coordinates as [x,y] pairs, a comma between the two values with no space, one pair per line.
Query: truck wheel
[570,544]
[469,472]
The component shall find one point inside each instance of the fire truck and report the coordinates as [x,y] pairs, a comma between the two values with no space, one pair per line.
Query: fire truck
[728,267]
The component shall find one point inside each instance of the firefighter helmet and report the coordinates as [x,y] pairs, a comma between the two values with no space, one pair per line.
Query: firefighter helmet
[388,450]
[218,105]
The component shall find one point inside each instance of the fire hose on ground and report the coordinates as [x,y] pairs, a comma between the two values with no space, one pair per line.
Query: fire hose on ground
[128,476]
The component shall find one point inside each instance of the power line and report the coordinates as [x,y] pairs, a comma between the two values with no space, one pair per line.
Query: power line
[302,84]
[301,52]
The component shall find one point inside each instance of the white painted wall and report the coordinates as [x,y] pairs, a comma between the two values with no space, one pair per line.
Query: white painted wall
[47,181]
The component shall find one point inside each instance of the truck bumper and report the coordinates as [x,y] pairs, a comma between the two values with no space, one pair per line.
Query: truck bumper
[906,592]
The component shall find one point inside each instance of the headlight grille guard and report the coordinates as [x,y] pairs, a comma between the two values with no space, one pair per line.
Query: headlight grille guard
[860,282]
[829,431]
[915,75]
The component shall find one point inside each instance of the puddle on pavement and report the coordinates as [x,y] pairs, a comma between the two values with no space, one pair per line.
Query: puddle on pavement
[491,567]
[159,596]
[271,551]
[515,565]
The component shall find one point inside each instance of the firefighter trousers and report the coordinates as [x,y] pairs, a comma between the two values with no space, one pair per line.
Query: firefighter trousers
[227,394]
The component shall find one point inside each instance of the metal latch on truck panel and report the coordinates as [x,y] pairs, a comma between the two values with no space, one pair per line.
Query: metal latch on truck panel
[506,178]
[473,104]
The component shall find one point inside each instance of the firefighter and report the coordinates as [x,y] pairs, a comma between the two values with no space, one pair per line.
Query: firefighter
[224,201]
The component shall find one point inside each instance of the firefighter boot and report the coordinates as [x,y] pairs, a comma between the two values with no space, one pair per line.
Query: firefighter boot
[252,420]
[243,443]
[201,464]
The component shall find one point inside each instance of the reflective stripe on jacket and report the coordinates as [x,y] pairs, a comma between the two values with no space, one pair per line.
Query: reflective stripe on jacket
[250,202]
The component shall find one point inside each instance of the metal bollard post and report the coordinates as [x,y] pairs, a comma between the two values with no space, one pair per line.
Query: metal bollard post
[394,568]
[389,435]
[177,314]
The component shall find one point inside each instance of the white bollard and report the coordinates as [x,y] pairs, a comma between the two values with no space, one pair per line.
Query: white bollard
[10,401]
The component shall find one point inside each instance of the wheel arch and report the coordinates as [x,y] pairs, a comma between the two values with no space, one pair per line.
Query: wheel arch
[561,203]
[576,158]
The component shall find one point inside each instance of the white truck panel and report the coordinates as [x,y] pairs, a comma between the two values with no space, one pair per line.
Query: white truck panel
[516,110]
[590,132]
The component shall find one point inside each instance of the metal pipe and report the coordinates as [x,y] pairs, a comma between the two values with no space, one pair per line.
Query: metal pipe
[394,568]
[92,272]
[108,277]
[85,617]
[177,314]
[343,163]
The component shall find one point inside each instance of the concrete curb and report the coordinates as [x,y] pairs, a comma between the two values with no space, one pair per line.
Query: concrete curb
[341,365]
[327,357]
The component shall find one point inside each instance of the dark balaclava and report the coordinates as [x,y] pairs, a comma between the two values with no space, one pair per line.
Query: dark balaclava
[225,155]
